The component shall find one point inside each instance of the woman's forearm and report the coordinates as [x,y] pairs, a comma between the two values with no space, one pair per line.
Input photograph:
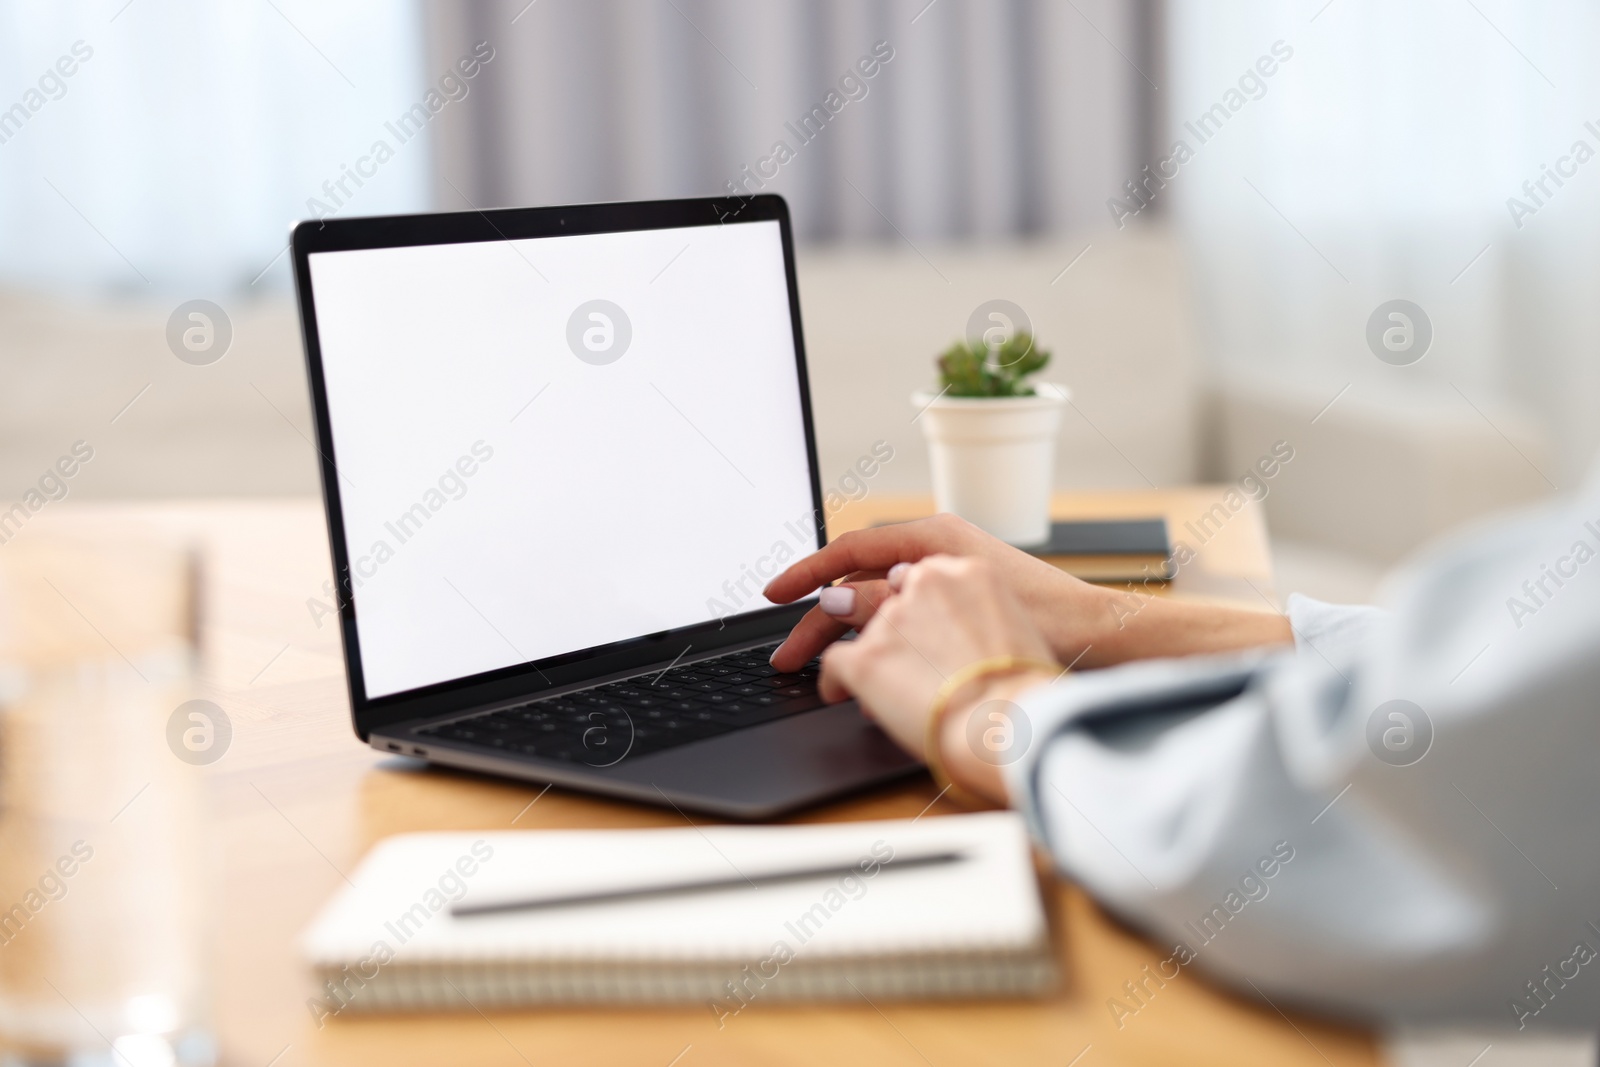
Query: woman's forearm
[1131,627]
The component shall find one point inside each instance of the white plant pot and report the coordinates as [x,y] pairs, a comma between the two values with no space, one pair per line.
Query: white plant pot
[993,459]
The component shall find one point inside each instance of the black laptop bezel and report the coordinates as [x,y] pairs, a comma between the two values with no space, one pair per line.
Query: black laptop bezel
[505,224]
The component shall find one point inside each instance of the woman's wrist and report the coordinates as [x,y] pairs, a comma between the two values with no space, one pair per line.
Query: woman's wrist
[1086,624]
[972,763]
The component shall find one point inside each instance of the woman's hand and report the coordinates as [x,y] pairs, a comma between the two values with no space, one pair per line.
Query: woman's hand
[1071,613]
[1083,625]
[948,613]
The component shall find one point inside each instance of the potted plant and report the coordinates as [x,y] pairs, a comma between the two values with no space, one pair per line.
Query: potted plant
[991,436]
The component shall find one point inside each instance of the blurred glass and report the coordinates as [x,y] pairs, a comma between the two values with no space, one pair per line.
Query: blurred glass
[102,889]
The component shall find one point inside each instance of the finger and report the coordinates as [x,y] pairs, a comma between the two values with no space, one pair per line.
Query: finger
[815,631]
[840,609]
[853,602]
[943,571]
[897,575]
[831,688]
[837,663]
[860,550]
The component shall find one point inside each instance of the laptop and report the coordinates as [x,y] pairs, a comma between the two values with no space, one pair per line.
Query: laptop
[562,449]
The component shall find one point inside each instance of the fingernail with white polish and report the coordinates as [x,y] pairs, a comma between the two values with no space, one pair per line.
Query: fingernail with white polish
[837,600]
[897,575]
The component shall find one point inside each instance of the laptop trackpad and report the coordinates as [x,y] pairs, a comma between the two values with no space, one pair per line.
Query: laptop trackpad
[778,765]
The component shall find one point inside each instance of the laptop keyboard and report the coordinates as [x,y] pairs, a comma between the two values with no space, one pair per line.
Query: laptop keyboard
[637,716]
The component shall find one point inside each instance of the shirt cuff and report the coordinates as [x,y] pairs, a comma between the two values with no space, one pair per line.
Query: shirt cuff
[1335,631]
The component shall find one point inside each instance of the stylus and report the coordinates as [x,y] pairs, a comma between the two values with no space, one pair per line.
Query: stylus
[754,880]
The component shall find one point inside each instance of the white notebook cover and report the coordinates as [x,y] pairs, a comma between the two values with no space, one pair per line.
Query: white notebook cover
[984,910]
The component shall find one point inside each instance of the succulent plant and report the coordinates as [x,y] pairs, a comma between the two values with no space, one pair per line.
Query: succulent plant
[971,369]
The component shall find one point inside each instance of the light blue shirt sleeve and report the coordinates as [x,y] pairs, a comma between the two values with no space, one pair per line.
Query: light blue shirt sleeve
[1398,820]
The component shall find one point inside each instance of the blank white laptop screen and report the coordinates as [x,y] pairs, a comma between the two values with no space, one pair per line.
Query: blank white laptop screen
[551,444]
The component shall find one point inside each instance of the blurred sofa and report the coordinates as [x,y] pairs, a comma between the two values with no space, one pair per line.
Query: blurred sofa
[101,372]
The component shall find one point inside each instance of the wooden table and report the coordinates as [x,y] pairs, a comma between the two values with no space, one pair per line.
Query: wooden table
[297,800]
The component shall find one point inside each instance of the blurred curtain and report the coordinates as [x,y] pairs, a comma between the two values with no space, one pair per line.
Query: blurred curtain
[1387,158]
[992,118]
[188,136]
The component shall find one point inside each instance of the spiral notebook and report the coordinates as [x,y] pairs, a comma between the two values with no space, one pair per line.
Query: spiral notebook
[970,928]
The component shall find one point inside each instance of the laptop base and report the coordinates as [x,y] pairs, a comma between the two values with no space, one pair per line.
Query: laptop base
[754,774]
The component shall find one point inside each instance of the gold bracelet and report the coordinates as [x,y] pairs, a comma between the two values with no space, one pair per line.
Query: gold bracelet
[939,710]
